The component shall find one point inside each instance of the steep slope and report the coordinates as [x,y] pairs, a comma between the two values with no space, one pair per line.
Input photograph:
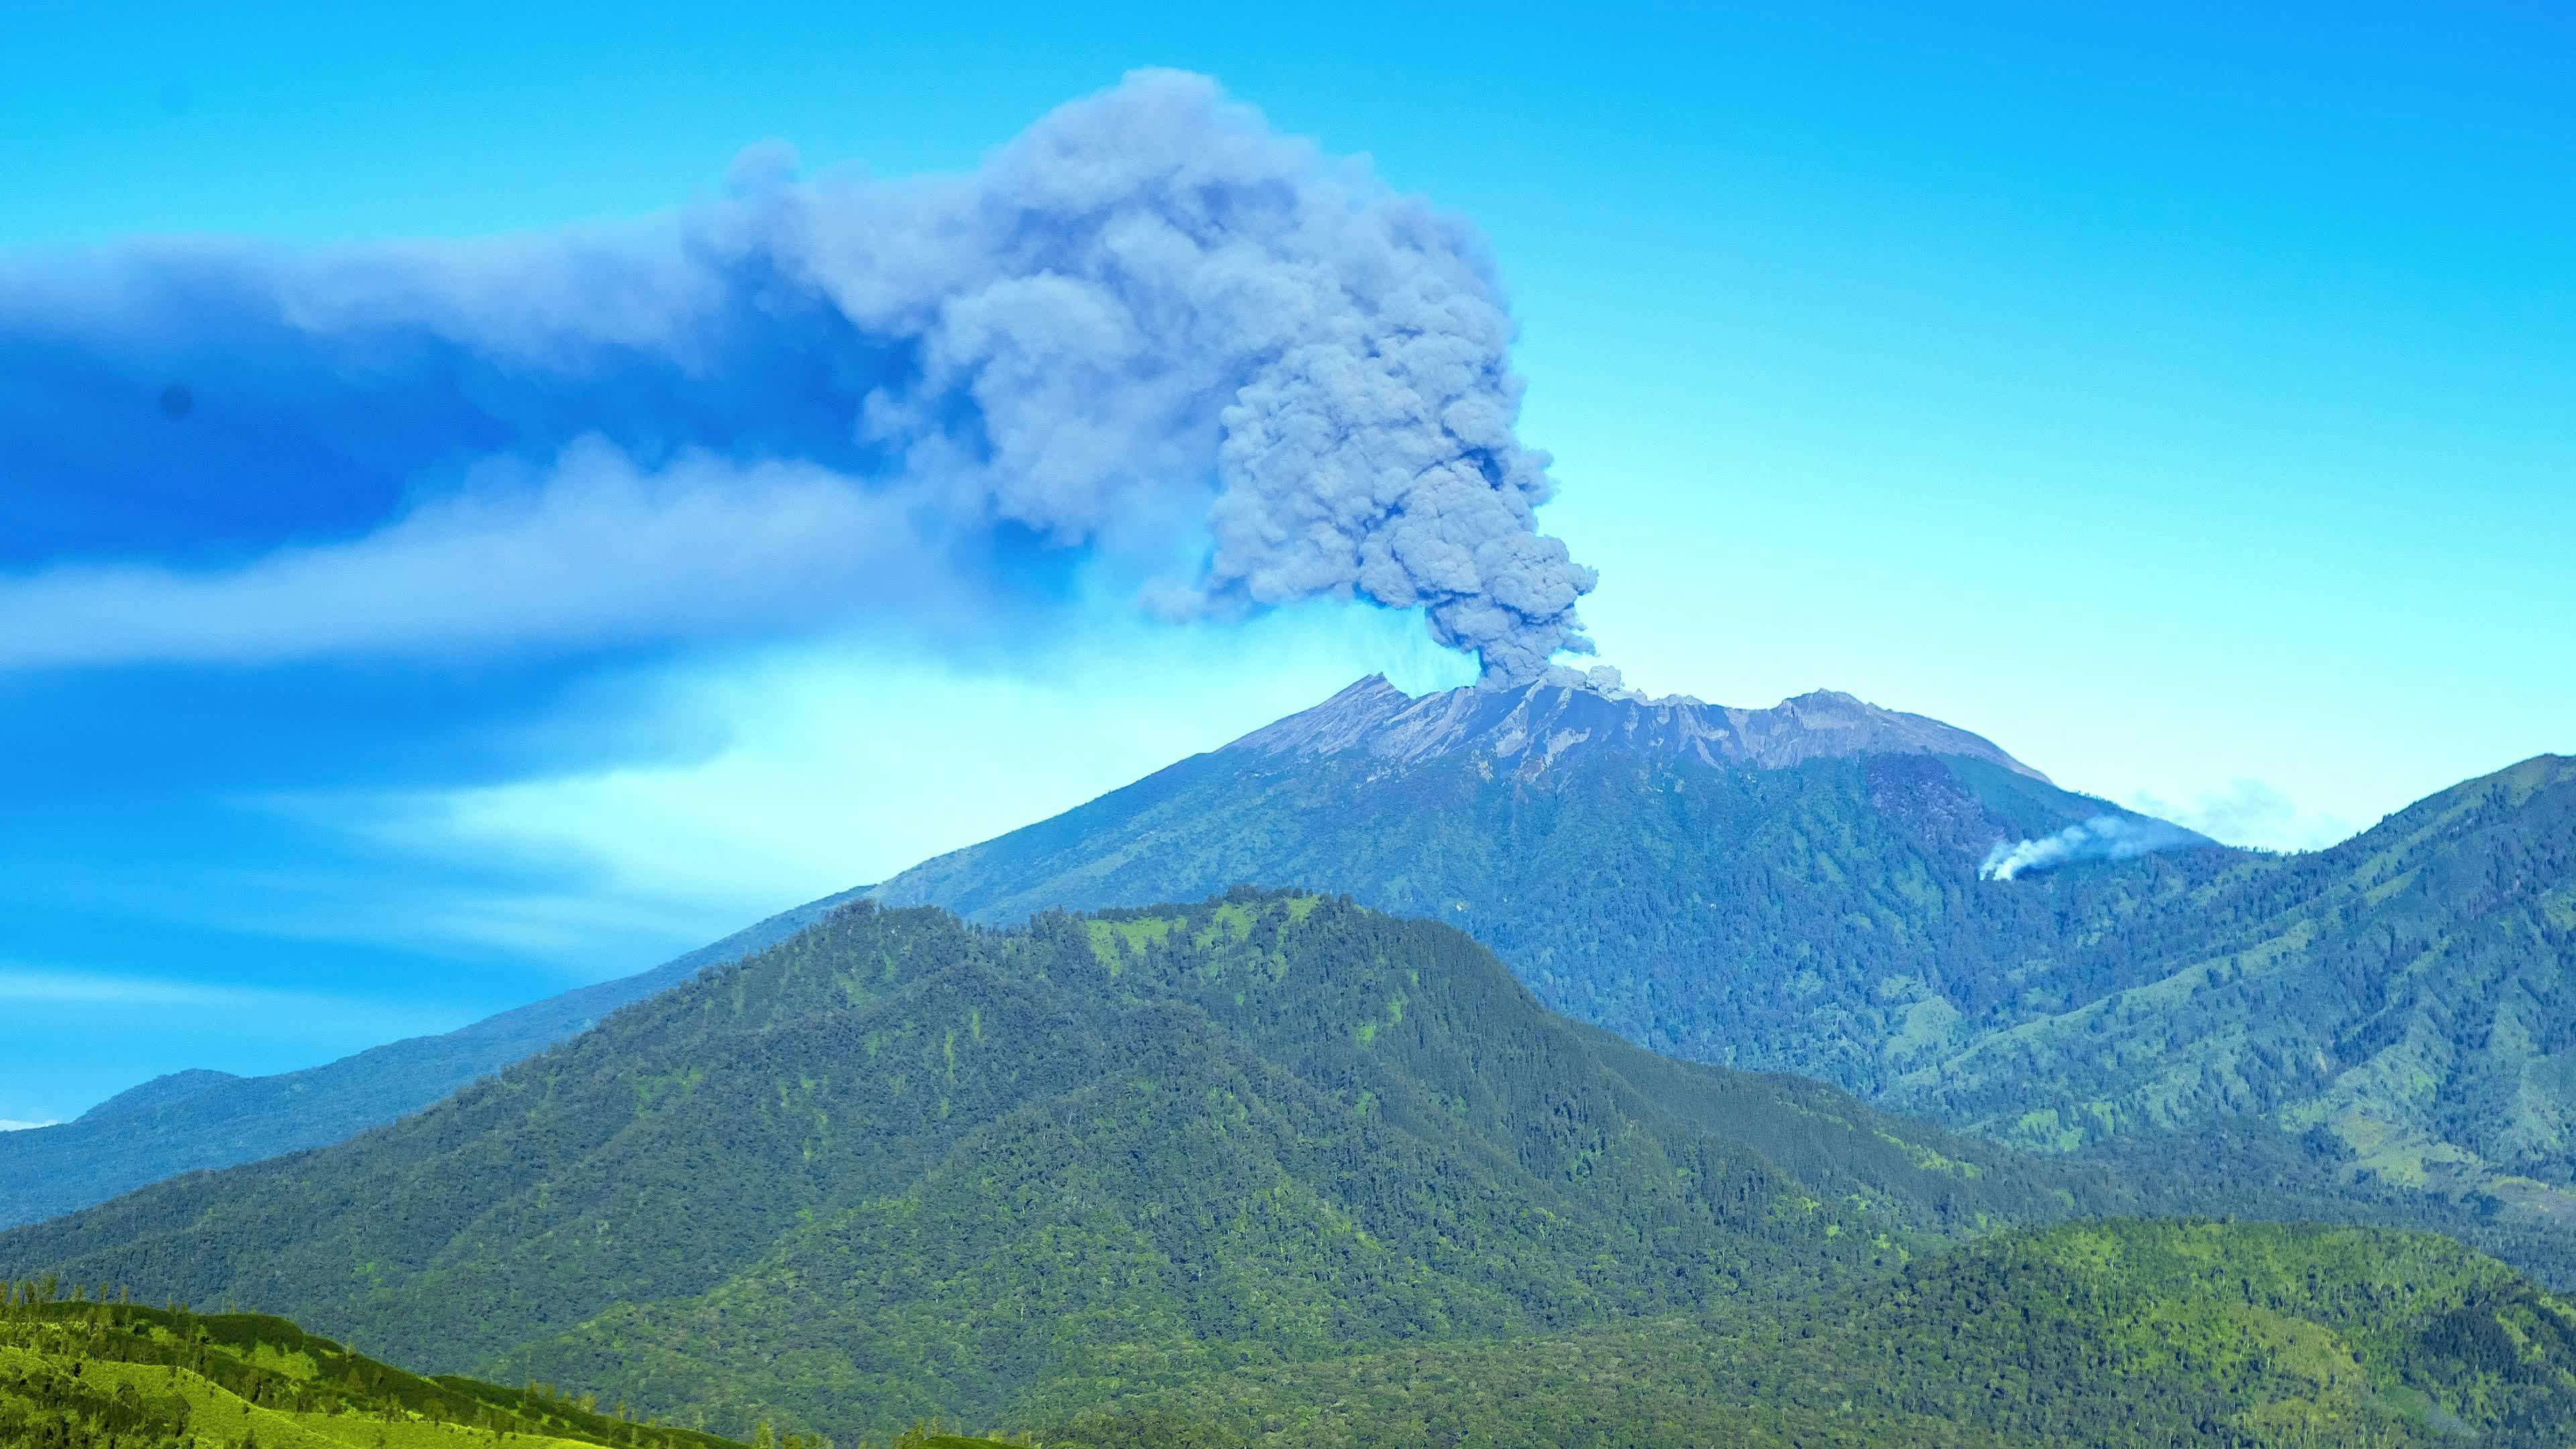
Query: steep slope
[1792,889]
[1800,889]
[108,1375]
[2409,997]
[2099,1336]
[192,1120]
[162,1091]
[896,1165]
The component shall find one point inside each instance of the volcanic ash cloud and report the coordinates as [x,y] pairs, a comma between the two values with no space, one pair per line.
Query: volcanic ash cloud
[1149,333]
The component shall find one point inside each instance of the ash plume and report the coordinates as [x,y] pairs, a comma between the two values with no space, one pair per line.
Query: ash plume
[2104,837]
[1150,340]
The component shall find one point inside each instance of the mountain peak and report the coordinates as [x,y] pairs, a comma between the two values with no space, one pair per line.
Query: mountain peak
[161,1091]
[1531,725]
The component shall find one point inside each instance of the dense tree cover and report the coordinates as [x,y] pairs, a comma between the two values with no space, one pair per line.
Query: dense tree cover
[90,1369]
[2406,992]
[1824,919]
[2397,1003]
[2405,999]
[2098,1335]
[2116,1335]
[898,1165]
[195,1120]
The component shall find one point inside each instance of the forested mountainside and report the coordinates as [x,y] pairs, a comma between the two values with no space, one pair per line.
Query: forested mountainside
[1805,895]
[1793,889]
[897,1165]
[100,1374]
[2407,999]
[191,1120]
[2105,1335]
[2117,1335]
[1811,906]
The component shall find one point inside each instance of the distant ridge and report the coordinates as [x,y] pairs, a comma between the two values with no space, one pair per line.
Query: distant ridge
[161,1091]
[197,1119]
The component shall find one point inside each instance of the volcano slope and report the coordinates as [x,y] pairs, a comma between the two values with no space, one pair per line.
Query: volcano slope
[1799,889]
[1791,889]
[898,1165]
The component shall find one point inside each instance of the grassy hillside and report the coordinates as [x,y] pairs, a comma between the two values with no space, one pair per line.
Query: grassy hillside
[111,1374]
[897,1166]
[2118,1335]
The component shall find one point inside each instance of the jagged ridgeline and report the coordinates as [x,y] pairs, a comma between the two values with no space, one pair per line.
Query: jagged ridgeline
[898,1166]
[104,1374]
[2117,1335]
[1789,889]
[1799,889]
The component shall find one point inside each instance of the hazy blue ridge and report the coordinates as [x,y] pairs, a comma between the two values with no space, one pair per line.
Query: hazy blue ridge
[188,1121]
[162,1091]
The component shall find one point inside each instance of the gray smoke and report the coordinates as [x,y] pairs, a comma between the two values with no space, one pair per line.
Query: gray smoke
[1149,332]
[2104,837]
[1149,280]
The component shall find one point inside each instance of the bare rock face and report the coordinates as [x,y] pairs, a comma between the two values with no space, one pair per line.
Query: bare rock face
[1532,726]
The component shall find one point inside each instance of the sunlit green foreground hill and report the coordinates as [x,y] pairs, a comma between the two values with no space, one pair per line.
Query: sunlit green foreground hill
[1277,1169]
[113,1375]
[899,1166]
[2110,1335]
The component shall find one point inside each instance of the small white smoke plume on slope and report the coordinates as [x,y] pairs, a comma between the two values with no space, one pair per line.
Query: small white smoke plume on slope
[2104,837]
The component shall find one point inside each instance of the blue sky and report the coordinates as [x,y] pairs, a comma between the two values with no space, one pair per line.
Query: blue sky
[2187,402]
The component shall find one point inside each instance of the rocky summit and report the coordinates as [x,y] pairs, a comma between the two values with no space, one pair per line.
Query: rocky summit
[1532,726]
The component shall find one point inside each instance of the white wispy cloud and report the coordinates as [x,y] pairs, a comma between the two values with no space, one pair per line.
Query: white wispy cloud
[2250,813]
[838,764]
[27,984]
[12,1124]
[597,551]
[262,1009]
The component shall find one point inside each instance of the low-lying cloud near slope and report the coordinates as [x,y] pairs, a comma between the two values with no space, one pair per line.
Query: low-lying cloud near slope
[1149,346]
[2104,837]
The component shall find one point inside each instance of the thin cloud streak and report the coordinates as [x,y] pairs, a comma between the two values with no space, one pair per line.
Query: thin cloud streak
[29,986]
[2250,813]
[599,552]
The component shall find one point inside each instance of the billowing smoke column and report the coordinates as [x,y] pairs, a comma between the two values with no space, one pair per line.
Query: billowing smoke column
[2104,837]
[1149,332]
